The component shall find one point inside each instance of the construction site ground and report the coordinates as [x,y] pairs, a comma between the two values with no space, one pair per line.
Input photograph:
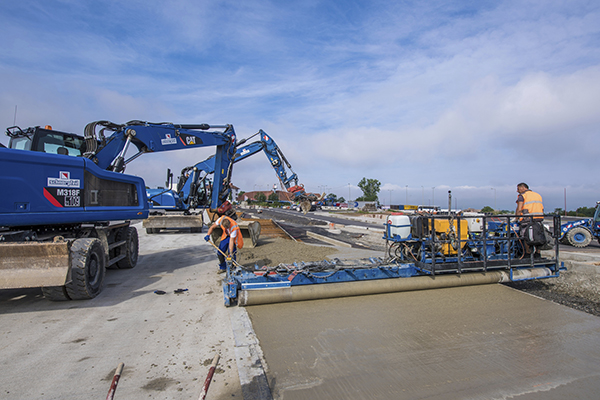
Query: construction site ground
[487,342]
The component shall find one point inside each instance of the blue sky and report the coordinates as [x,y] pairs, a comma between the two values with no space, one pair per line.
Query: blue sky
[468,96]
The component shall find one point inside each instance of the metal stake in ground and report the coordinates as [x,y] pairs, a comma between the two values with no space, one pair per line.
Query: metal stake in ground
[211,372]
[115,381]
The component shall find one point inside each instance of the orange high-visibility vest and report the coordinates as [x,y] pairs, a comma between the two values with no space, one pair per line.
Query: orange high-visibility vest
[239,241]
[532,204]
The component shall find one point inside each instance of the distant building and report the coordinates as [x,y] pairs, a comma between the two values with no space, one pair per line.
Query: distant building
[234,191]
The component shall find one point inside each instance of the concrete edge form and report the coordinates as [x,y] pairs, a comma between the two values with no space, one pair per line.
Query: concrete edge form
[286,232]
[249,357]
[577,261]
[581,257]
[327,239]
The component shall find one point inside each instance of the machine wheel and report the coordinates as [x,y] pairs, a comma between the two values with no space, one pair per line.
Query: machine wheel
[131,248]
[579,237]
[88,268]
[55,293]
[150,231]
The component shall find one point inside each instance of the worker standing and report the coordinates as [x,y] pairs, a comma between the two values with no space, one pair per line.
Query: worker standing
[231,240]
[529,203]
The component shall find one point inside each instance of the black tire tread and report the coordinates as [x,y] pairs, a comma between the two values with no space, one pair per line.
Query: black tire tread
[79,288]
[573,232]
[55,293]
[131,249]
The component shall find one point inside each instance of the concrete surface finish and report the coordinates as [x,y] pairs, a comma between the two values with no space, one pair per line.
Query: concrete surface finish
[479,342]
[69,350]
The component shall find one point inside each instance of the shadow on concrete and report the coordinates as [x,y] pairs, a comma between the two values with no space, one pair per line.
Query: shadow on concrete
[119,285]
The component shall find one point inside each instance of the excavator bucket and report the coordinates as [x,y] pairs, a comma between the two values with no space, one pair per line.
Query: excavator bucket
[24,265]
[305,206]
[250,233]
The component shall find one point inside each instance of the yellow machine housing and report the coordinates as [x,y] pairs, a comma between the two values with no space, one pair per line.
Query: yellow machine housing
[445,234]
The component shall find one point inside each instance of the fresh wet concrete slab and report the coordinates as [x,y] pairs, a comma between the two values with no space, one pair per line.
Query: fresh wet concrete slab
[478,342]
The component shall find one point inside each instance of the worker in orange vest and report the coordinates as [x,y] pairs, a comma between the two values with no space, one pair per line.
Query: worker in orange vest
[529,203]
[231,240]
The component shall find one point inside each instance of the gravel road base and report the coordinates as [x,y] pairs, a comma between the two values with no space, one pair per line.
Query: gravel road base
[577,288]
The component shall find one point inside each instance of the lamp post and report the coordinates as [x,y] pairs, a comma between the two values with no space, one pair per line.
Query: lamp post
[422,195]
[406,195]
[494,198]
[433,195]
[390,197]
[348,195]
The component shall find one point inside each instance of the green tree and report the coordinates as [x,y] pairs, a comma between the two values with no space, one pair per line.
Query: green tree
[274,197]
[370,189]
[341,200]
[585,211]
[487,209]
[260,196]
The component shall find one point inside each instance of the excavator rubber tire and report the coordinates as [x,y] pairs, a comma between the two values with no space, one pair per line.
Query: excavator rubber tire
[131,249]
[579,237]
[88,269]
[55,293]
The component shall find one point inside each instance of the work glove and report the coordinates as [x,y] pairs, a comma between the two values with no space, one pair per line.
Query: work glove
[229,258]
[207,238]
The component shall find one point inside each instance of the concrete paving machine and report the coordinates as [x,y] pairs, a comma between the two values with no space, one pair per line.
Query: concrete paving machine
[67,205]
[422,252]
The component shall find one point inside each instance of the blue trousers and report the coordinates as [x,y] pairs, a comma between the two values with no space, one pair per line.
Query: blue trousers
[224,247]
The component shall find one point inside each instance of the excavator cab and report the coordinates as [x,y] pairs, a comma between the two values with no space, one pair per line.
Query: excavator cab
[46,140]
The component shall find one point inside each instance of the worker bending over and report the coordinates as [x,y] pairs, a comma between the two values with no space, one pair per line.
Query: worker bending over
[231,240]
[529,203]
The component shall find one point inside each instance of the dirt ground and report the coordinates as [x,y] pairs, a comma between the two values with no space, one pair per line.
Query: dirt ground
[274,251]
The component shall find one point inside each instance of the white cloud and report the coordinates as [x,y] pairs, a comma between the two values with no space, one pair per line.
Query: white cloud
[470,96]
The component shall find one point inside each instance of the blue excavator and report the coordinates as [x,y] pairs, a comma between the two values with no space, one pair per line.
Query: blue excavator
[194,187]
[67,204]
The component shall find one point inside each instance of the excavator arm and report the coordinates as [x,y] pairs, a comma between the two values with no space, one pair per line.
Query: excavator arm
[274,155]
[108,151]
[192,182]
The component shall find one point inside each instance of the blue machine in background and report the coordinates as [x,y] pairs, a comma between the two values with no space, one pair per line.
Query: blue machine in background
[580,233]
[194,187]
[64,215]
